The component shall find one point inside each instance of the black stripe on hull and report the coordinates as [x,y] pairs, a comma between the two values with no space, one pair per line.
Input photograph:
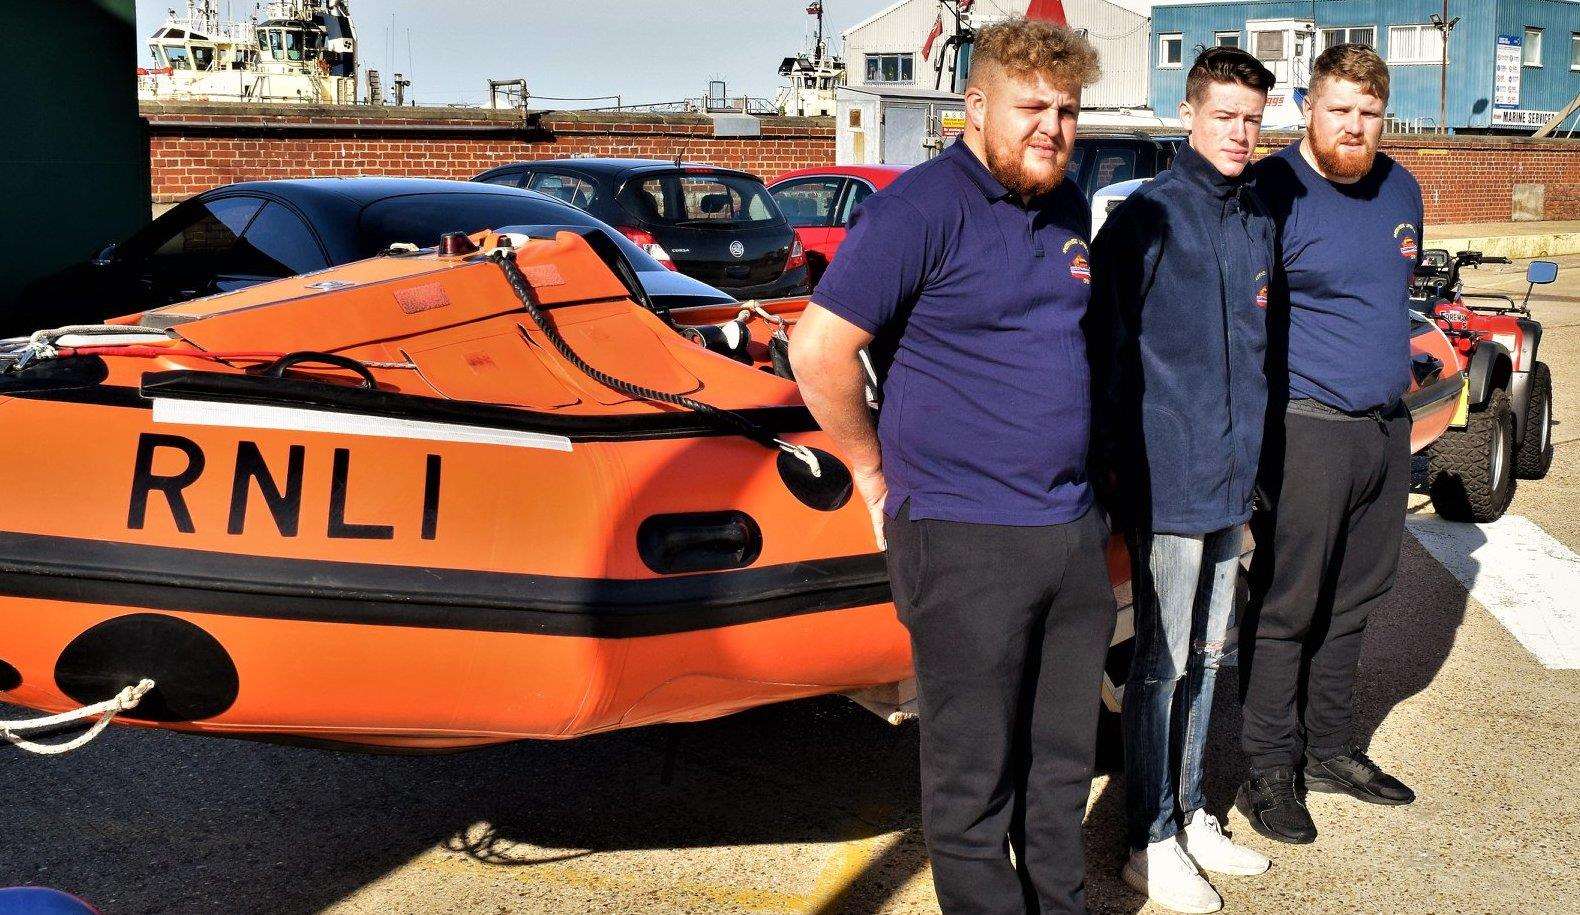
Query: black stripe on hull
[198,581]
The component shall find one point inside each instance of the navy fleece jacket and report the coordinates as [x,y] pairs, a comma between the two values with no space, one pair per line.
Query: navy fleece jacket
[1180,276]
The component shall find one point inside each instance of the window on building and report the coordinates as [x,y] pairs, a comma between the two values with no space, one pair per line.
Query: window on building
[889,68]
[1574,51]
[1533,47]
[1415,44]
[1363,35]
[1268,45]
[1171,51]
[1227,39]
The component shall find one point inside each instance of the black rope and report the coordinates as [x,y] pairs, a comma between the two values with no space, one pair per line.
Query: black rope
[732,421]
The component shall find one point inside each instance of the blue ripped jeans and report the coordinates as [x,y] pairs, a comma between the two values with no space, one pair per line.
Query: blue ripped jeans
[1184,598]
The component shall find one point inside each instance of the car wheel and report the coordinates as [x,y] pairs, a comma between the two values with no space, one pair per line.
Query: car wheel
[1535,454]
[1472,469]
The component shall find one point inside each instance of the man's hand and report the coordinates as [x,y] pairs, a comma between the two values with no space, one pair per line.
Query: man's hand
[873,490]
[823,351]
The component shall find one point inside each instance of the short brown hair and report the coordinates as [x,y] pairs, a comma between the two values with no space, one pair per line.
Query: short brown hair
[1023,47]
[1226,65]
[1355,63]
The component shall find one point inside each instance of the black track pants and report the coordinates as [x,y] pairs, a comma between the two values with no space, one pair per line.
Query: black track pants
[1327,549]
[1009,628]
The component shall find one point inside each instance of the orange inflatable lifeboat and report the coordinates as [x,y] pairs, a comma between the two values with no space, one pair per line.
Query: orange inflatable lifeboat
[380,505]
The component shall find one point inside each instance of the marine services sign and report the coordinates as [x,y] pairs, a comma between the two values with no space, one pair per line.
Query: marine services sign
[1520,117]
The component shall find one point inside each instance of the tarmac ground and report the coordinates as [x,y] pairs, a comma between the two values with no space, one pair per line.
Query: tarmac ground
[810,807]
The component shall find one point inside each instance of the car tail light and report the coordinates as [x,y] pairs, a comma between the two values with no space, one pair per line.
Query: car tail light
[644,239]
[797,256]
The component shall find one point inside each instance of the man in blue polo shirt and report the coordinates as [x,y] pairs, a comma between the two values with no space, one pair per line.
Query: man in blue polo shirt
[968,277]
[1335,470]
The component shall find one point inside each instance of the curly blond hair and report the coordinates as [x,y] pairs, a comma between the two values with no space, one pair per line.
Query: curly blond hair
[1022,47]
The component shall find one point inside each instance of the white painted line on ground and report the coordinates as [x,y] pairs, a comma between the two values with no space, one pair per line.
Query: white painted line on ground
[1524,577]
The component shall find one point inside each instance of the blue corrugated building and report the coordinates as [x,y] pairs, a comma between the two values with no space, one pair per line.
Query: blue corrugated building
[1511,63]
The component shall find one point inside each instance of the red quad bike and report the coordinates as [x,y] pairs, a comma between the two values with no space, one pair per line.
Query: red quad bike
[1503,427]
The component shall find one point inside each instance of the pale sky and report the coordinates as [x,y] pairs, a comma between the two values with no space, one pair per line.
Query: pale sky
[644,50]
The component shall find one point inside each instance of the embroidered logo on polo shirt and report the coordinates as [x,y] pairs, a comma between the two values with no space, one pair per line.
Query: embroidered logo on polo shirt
[1079,268]
[1261,293]
[1407,245]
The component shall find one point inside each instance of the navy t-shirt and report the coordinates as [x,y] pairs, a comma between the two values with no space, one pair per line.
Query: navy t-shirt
[1348,253]
[979,299]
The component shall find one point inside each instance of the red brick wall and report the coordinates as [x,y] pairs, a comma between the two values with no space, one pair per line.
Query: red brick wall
[1471,179]
[196,147]
[193,148]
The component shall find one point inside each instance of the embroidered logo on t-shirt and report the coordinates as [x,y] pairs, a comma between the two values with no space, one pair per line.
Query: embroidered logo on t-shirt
[1261,293]
[1079,268]
[1407,246]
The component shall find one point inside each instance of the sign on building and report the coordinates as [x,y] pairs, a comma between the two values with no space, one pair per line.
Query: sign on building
[1520,117]
[1506,74]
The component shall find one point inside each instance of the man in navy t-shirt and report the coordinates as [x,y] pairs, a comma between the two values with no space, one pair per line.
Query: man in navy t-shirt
[968,276]
[1336,459]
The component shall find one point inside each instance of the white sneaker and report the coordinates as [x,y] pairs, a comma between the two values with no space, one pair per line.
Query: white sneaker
[1166,875]
[1205,843]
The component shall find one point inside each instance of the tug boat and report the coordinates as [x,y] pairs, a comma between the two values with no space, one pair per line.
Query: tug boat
[434,500]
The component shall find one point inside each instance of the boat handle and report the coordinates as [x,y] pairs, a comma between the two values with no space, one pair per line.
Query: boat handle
[276,369]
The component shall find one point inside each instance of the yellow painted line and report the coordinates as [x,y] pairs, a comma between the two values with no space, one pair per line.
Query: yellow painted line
[847,864]
[1431,152]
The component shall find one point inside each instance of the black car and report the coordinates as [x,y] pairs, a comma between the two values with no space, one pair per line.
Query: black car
[715,224]
[241,234]
[1099,159]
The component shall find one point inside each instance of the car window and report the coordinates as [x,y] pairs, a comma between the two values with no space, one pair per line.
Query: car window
[277,243]
[1112,164]
[204,231]
[1077,156]
[421,218]
[808,201]
[508,179]
[578,192]
[859,191]
[679,198]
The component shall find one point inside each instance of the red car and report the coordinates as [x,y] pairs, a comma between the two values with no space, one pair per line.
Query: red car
[818,202]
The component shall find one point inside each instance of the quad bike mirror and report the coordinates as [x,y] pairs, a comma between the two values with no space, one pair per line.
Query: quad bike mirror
[1541,272]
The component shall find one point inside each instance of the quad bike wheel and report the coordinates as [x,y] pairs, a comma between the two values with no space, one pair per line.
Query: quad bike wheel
[1472,469]
[1535,453]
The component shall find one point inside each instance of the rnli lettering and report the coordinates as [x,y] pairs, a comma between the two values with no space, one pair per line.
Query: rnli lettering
[145,481]
[286,507]
[253,470]
[338,528]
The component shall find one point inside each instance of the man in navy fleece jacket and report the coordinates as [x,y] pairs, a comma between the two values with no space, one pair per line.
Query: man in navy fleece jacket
[1336,460]
[1180,279]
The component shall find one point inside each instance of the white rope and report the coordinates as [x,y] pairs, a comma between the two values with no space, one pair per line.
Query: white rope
[123,701]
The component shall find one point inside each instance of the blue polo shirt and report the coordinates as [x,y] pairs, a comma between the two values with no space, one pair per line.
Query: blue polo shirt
[1348,253]
[975,301]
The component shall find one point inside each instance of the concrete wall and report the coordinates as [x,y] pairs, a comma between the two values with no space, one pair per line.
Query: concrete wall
[1415,90]
[196,147]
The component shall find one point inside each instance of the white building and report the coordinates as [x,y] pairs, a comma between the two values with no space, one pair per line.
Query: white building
[900,106]
[884,51]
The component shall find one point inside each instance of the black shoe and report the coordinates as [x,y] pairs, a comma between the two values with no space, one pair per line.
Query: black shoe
[1353,773]
[1269,802]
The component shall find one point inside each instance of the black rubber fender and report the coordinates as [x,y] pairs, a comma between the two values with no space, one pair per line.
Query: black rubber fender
[1490,369]
[194,676]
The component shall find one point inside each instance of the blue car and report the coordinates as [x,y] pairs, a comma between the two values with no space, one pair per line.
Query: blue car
[242,234]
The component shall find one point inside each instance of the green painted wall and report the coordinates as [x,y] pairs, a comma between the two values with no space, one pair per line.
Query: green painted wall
[74,159]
